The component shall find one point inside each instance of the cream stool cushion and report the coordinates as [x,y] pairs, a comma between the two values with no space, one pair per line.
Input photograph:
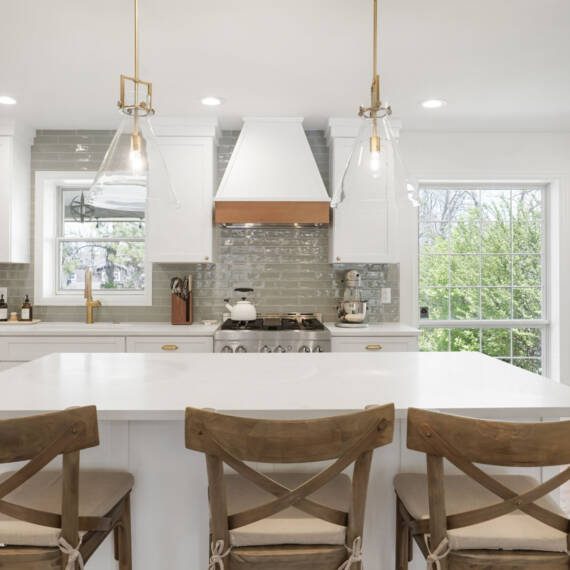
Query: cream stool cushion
[290,526]
[515,531]
[99,492]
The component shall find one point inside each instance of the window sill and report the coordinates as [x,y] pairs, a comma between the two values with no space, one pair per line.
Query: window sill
[488,323]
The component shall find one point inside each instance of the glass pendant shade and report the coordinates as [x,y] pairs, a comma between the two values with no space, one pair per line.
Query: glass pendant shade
[133,172]
[375,167]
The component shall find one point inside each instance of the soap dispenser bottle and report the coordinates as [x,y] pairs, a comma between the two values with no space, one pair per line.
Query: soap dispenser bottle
[26,314]
[3,309]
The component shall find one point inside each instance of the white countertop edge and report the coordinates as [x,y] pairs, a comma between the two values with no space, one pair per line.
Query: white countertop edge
[374,329]
[51,328]
[523,414]
[47,328]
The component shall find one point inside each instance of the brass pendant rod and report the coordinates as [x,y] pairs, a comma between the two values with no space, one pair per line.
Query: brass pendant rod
[136,85]
[375,103]
[375,41]
[136,40]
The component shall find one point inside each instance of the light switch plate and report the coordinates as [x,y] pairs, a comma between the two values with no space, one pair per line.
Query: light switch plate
[4,291]
[386,295]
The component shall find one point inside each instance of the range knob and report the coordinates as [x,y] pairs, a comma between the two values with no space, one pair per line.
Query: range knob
[317,349]
[265,348]
[304,349]
[241,348]
[279,348]
[227,349]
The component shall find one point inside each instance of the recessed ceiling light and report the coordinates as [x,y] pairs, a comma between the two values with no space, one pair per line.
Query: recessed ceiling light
[6,100]
[211,101]
[434,104]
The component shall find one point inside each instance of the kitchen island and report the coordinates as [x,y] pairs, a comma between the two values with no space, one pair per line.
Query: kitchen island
[141,400]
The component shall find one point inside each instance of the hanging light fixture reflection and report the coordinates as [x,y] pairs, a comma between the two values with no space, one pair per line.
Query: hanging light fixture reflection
[375,161]
[122,182]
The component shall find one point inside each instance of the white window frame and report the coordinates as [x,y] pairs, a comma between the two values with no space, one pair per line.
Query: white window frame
[46,255]
[544,323]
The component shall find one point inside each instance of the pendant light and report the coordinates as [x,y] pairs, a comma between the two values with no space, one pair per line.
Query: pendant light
[133,157]
[375,166]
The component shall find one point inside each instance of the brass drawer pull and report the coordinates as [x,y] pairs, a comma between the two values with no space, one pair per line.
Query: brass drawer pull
[374,347]
[169,347]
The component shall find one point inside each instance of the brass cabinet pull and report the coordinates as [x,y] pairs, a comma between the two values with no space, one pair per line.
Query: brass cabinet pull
[374,347]
[169,347]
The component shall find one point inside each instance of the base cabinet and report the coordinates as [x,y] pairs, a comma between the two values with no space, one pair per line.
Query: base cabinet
[22,349]
[16,350]
[374,344]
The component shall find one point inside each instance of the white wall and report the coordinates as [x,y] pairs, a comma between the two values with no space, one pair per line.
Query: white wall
[508,156]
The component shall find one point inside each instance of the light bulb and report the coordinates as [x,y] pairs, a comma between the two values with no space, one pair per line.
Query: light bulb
[375,163]
[137,158]
[137,161]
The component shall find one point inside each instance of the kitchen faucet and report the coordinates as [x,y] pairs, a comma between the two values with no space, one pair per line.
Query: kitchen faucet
[90,303]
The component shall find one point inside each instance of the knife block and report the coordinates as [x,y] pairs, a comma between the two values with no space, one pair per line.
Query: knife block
[180,310]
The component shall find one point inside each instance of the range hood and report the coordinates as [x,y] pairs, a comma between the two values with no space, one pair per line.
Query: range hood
[272,177]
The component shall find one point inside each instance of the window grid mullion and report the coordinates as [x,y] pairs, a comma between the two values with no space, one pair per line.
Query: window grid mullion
[480,324]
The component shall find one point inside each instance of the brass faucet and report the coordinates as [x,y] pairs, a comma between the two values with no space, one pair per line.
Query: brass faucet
[90,303]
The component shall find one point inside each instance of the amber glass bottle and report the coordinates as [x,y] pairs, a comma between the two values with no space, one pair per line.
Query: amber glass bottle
[3,309]
[27,310]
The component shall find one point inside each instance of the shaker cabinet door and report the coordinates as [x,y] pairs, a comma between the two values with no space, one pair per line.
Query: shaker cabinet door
[182,232]
[375,344]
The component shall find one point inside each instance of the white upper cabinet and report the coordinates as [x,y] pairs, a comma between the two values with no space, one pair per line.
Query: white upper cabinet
[183,234]
[15,193]
[366,228]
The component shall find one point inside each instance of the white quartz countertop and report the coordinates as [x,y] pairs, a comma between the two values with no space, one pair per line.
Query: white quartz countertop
[160,386]
[374,329]
[106,329]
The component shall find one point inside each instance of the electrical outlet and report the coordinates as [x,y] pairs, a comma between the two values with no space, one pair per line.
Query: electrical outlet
[4,291]
[385,295]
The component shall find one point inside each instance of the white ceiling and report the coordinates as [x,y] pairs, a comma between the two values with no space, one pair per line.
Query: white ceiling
[501,64]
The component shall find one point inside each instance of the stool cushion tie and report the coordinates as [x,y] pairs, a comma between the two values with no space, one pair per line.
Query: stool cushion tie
[218,555]
[435,557]
[355,554]
[73,554]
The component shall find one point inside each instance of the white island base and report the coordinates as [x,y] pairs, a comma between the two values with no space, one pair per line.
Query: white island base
[141,400]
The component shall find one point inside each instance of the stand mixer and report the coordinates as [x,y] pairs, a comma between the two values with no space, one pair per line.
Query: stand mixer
[352,309]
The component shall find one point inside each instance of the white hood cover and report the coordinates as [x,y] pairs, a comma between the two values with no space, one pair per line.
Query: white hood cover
[272,164]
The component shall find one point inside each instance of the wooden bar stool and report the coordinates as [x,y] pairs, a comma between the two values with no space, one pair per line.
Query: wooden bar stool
[57,519]
[290,521]
[477,521]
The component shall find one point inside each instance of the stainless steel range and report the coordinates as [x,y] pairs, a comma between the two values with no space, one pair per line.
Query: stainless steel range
[289,332]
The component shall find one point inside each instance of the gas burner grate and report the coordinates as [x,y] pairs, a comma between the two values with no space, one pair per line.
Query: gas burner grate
[278,322]
[229,325]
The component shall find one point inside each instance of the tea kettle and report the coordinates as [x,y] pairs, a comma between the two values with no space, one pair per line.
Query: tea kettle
[243,310]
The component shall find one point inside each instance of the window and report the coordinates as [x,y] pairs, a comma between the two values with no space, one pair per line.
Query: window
[71,236]
[111,243]
[482,271]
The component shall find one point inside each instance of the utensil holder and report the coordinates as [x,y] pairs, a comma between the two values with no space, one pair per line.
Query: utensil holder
[181,310]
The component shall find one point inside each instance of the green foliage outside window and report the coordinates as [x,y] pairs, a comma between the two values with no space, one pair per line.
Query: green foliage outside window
[481,260]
